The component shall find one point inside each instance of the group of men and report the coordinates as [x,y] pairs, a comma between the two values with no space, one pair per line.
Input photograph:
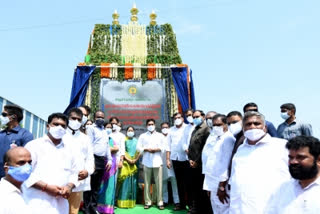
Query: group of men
[216,163]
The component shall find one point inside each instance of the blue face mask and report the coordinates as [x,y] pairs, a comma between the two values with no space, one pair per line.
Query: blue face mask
[197,121]
[108,130]
[20,173]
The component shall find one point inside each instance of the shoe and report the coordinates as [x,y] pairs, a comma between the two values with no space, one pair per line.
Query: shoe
[161,207]
[165,204]
[147,206]
[177,207]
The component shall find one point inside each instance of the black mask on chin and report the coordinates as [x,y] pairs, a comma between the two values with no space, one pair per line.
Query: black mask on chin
[303,173]
[99,122]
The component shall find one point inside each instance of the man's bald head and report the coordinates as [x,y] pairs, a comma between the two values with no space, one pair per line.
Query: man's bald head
[16,157]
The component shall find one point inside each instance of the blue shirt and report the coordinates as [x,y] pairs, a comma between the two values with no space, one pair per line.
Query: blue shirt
[18,136]
[296,128]
[271,129]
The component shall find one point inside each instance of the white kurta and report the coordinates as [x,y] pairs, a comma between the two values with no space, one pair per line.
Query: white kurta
[175,143]
[11,199]
[149,140]
[292,198]
[81,147]
[257,171]
[187,136]
[54,165]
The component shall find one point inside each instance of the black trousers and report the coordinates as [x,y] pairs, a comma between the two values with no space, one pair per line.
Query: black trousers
[182,172]
[90,198]
[201,203]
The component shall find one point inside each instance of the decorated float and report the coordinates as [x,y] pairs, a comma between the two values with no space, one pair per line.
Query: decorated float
[133,71]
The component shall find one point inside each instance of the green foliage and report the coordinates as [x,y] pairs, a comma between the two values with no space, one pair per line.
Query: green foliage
[95,90]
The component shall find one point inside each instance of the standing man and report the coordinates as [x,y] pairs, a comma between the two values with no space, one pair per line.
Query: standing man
[17,168]
[259,167]
[200,200]
[86,110]
[13,135]
[292,127]
[81,146]
[100,142]
[300,195]
[178,157]
[168,173]
[53,170]
[271,130]
[150,144]
[219,150]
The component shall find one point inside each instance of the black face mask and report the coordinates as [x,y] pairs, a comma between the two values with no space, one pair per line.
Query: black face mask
[303,173]
[99,122]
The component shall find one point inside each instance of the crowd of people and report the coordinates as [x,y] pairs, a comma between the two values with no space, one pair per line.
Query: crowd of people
[215,163]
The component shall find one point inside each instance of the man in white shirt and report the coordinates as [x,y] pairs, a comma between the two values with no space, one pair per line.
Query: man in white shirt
[17,168]
[215,158]
[53,170]
[301,194]
[178,157]
[150,145]
[259,167]
[102,157]
[81,146]
[168,174]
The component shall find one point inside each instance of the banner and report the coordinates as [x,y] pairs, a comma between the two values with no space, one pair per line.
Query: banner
[133,102]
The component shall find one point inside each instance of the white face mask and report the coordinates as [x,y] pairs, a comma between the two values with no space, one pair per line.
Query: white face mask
[84,119]
[108,130]
[57,132]
[190,119]
[254,134]
[209,123]
[177,122]
[130,134]
[74,124]
[218,130]
[284,115]
[4,120]
[151,128]
[235,128]
[116,128]
[165,131]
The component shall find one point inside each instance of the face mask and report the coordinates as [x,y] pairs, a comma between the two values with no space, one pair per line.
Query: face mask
[178,122]
[130,134]
[114,127]
[74,124]
[151,128]
[235,128]
[190,119]
[99,122]
[197,121]
[217,130]
[57,132]
[284,115]
[4,120]
[209,123]
[165,131]
[118,128]
[254,134]
[108,130]
[20,173]
[84,119]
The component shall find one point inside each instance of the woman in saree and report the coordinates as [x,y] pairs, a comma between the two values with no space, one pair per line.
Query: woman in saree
[107,190]
[128,175]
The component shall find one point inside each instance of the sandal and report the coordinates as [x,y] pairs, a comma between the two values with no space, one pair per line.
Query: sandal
[147,206]
[161,207]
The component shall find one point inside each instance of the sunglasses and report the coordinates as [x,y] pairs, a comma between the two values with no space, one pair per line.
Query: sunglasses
[4,114]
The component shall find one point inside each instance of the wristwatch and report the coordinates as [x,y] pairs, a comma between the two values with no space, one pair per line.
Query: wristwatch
[222,189]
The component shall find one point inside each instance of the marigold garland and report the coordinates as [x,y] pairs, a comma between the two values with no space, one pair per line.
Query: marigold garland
[105,70]
[128,71]
[151,71]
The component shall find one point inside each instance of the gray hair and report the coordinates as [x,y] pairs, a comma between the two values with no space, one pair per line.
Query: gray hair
[249,114]
[211,112]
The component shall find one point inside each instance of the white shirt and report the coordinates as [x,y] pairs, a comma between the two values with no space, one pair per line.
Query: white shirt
[257,171]
[292,198]
[120,139]
[217,153]
[187,136]
[54,165]
[150,141]
[11,199]
[175,143]
[100,141]
[81,146]
[166,173]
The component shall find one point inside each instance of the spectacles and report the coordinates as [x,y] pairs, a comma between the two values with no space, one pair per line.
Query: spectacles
[4,114]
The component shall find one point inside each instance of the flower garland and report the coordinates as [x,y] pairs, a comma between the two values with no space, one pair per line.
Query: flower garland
[114,70]
[137,71]
[128,71]
[151,71]
[158,71]
[105,71]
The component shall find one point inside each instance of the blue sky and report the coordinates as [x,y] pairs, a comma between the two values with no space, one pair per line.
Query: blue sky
[240,51]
